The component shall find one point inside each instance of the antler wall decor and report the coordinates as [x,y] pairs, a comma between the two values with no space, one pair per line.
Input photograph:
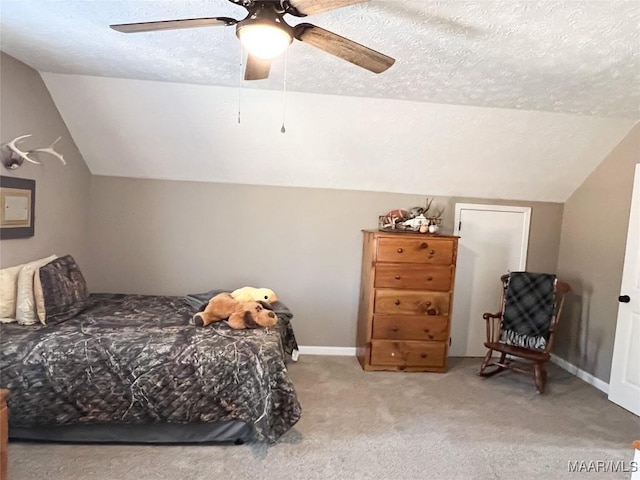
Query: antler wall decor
[12,157]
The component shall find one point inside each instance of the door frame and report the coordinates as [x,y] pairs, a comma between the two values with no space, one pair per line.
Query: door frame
[618,392]
[524,215]
[526,225]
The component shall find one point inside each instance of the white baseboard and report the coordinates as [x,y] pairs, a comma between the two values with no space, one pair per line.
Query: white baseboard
[339,351]
[569,367]
[581,374]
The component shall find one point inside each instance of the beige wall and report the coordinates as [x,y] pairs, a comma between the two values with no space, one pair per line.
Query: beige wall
[158,237]
[62,193]
[594,230]
[544,234]
[169,237]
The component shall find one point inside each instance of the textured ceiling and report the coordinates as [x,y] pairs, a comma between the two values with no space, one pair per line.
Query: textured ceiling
[571,56]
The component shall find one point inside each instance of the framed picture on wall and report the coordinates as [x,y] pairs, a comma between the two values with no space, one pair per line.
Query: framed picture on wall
[17,207]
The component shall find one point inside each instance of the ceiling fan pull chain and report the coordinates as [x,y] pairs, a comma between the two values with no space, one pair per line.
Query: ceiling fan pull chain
[284,93]
[240,77]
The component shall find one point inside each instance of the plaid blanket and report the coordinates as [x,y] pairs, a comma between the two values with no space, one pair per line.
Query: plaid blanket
[529,305]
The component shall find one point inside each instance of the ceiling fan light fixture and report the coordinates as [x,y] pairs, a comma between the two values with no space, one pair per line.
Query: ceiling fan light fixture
[264,40]
[265,34]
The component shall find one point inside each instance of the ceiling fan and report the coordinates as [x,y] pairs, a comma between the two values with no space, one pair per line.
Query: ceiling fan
[265,34]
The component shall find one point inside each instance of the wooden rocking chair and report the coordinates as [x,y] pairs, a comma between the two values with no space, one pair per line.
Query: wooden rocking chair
[528,354]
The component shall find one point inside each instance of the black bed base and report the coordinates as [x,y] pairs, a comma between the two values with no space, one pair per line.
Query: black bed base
[232,431]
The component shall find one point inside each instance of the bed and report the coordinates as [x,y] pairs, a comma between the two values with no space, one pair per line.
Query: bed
[132,368]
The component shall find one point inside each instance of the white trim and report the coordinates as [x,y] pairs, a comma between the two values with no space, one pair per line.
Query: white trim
[339,351]
[500,208]
[569,367]
[623,382]
[581,374]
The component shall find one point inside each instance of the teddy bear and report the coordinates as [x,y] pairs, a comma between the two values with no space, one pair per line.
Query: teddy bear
[246,294]
[240,314]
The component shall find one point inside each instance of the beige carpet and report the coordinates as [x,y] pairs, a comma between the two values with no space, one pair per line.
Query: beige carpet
[358,425]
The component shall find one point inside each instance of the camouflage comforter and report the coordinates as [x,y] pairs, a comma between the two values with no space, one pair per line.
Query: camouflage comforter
[136,359]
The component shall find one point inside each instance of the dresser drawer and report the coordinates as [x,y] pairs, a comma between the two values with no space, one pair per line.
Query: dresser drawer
[410,327]
[415,250]
[407,353]
[411,302]
[415,276]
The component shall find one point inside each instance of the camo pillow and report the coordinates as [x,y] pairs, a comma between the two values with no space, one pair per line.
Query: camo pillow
[64,290]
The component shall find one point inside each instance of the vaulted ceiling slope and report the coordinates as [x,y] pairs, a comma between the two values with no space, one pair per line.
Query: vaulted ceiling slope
[163,130]
[567,56]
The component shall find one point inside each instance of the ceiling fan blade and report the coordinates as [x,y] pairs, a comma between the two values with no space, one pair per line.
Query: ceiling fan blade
[344,48]
[174,24]
[311,7]
[257,68]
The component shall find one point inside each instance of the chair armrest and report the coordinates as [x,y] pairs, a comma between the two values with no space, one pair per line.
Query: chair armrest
[493,325]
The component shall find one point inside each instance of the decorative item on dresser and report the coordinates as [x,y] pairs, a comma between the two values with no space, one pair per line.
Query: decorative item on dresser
[406,293]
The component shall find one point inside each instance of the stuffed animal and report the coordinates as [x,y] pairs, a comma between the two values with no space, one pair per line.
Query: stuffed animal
[239,314]
[246,294]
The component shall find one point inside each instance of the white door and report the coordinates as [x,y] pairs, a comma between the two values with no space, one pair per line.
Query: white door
[493,241]
[624,383]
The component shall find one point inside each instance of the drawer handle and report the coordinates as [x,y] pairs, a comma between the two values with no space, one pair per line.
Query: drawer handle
[428,304]
[394,329]
[424,245]
[397,302]
[400,250]
[397,277]
[423,355]
[429,279]
[393,354]
[432,251]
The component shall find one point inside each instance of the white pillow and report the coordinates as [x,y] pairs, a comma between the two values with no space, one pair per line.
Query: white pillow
[25,302]
[8,293]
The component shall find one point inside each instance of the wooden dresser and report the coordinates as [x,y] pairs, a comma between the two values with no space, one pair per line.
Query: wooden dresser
[406,293]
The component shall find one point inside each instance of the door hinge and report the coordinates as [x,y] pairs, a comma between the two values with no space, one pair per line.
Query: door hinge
[460,225]
[449,341]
